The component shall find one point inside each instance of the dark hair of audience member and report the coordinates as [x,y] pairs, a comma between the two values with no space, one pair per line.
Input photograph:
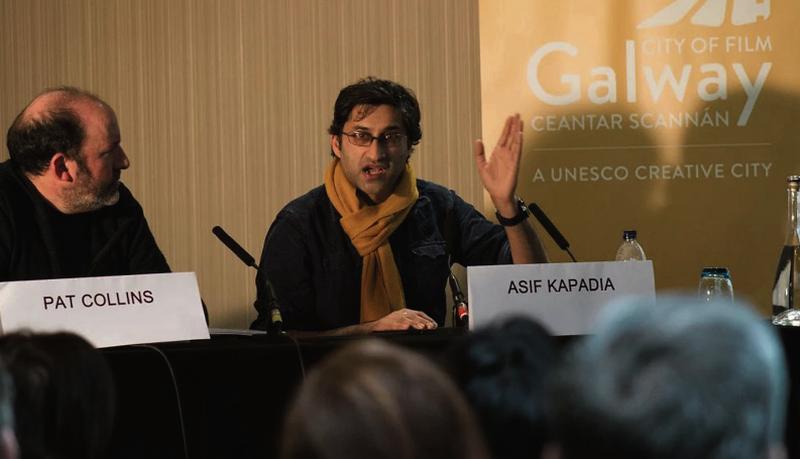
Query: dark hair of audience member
[64,402]
[677,379]
[374,400]
[502,370]
[9,449]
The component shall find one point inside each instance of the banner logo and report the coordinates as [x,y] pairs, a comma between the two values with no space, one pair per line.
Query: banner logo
[710,13]
[731,61]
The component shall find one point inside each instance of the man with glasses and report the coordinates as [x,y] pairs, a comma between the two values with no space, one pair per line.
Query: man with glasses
[370,249]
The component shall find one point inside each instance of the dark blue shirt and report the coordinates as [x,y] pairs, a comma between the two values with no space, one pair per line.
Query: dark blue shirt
[316,271]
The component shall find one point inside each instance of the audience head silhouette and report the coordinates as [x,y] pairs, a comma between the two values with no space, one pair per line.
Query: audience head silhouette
[677,379]
[64,402]
[379,401]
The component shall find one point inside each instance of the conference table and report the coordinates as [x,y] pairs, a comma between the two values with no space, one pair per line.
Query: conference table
[226,397]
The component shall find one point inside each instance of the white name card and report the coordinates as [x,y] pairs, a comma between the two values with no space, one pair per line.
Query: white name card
[108,311]
[564,297]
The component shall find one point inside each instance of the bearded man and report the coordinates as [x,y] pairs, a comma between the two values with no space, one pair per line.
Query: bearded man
[63,210]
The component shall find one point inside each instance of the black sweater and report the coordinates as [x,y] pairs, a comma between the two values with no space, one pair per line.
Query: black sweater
[38,242]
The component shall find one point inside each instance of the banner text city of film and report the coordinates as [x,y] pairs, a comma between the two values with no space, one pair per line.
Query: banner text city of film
[602,86]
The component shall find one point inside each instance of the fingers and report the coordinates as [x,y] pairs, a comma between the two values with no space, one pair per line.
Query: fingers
[511,131]
[480,153]
[418,320]
[425,317]
[515,133]
[510,139]
[516,147]
[516,143]
[502,141]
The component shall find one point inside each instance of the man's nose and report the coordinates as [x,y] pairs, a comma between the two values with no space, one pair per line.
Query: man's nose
[376,150]
[122,159]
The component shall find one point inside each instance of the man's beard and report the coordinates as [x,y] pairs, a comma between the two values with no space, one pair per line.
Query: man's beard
[88,195]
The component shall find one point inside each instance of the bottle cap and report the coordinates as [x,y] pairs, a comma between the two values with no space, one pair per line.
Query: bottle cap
[627,235]
[793,178]
[716,271]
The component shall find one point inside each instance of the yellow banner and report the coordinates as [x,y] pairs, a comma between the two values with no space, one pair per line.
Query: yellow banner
[677,118]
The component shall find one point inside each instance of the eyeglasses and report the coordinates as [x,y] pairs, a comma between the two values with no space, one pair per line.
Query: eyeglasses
[364,139]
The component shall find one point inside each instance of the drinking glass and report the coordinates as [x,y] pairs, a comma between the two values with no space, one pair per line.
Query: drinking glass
[715,284]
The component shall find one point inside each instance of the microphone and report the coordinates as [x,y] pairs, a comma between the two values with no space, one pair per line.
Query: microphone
[276,320]
[550,228]
[460,308]
[234,247]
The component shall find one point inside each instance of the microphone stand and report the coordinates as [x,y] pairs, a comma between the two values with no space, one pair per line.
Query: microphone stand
[275,318]
[460,307]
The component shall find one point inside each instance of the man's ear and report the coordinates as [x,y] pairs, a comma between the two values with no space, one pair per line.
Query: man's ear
[336,145]
[60,167]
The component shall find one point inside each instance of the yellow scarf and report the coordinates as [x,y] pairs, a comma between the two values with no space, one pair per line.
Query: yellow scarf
[369,228]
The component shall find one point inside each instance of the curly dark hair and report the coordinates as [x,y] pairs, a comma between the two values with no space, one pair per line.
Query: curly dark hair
[372,91]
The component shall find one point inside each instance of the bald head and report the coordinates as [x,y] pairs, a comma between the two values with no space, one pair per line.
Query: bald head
[52,123]
[55,99]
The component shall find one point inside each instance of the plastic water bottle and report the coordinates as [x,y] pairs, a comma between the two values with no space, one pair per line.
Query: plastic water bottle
[630,248]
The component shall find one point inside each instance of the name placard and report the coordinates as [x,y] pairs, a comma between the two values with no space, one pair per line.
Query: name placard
[565,297]
[108,311]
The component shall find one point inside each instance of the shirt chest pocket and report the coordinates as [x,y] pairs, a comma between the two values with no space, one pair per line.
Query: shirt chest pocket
[430,251]
[430,264]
